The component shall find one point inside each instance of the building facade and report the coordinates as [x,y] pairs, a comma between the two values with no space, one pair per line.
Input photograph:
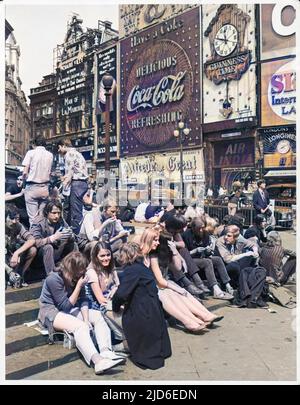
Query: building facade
[17,116]
[64,104]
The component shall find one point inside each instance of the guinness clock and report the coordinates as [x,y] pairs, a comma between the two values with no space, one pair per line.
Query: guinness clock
[226,40]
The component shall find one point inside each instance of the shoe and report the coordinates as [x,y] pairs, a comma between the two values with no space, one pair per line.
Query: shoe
[200,328]
[230,290]
[192,289]
[261,303]
[218,318]
[203,287]
[106,364]
[24,284]
[223,296]
[108,354]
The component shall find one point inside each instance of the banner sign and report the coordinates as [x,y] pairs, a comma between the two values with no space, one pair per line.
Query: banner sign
[142,169]
[71,79]
[234,153]
[71,104]
[278,98]
[160,84]
[107,62]
[279,146]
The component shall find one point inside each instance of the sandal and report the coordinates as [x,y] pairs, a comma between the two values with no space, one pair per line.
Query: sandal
[223,296]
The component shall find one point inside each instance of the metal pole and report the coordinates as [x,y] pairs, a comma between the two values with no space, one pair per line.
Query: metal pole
[181,167]
[107,134]
[95,116]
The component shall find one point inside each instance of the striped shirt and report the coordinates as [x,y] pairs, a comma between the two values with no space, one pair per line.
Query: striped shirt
[271,259]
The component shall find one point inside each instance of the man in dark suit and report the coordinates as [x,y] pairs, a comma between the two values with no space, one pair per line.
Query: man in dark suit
[261,199]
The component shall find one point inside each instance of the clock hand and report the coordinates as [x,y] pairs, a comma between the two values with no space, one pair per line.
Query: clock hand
[225,40]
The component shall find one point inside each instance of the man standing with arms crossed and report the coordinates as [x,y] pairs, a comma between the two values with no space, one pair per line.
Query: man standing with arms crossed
[76,176]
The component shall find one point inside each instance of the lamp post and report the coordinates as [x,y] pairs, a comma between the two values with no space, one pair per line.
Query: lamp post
[179,133]
[107,81]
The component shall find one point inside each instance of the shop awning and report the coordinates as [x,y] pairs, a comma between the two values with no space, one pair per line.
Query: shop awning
[280,173]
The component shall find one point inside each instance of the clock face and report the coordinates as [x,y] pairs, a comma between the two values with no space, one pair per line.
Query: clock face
[283,146]
[226,40]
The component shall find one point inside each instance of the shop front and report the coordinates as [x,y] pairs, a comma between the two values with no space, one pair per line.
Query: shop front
[230,157]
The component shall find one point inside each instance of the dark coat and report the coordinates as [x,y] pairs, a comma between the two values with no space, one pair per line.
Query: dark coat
[258,202]
[143,318]
[254,231]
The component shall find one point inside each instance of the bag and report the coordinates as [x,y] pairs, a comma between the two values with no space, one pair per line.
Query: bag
[282,296]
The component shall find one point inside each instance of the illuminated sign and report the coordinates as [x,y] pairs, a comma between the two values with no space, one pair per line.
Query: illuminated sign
[160,84]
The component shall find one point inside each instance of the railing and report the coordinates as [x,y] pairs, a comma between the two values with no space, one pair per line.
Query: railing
[283,212]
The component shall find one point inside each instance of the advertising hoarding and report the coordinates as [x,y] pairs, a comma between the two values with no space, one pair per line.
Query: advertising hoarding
[139,170]
[278,26]
[160,84]
[278,92]
[229,78]
[279,147]
[135,17]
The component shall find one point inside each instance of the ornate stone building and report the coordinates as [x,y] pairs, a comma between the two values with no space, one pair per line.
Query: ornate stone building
[63,105]
[17,116]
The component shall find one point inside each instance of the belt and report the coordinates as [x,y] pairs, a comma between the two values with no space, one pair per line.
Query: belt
[34,182]
[85,180]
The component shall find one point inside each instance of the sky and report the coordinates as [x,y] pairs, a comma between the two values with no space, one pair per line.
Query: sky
[39,28]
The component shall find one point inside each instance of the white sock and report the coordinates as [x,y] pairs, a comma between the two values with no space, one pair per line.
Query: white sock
[229,289]
[217,290]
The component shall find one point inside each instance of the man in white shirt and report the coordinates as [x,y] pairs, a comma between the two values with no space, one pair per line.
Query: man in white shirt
[37,170]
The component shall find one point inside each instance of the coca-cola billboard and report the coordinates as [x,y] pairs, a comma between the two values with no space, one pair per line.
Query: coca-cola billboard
[160,84]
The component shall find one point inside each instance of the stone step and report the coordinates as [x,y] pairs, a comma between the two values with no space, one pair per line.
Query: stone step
[20,312]
[32,292]
[21,337]
[26,363]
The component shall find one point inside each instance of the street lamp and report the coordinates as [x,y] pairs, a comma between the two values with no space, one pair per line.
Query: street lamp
[179,133]
[107,81]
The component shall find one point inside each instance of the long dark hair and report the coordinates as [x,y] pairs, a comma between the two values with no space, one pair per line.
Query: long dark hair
[72,267]
[200,223]
[163,252]
[95,261]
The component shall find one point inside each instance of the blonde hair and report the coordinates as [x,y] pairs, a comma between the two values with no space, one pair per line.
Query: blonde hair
[147,239]
[108,203]
[128,253]
[211,225]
